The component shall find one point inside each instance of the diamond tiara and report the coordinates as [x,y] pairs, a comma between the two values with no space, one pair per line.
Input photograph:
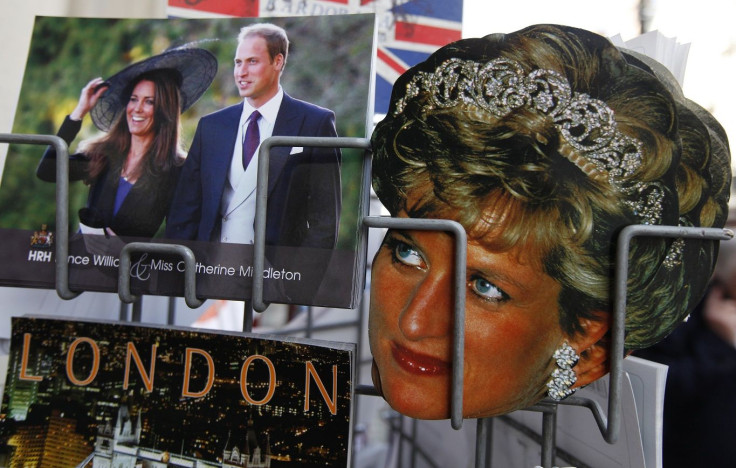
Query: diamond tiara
[501,86]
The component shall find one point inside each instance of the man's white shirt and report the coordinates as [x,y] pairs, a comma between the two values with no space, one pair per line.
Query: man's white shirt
[238,206]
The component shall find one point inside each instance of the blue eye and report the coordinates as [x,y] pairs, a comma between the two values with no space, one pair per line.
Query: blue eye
[487,290]
[407,255]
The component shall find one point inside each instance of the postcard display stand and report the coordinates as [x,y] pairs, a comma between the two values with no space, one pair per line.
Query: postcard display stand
[609,423]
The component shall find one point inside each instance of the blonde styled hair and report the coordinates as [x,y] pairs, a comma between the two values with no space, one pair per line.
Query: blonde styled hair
[517,176]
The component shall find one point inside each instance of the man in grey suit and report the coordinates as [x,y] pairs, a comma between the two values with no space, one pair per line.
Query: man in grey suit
[215,196]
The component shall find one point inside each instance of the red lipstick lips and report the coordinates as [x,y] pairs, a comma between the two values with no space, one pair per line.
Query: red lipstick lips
[419,364]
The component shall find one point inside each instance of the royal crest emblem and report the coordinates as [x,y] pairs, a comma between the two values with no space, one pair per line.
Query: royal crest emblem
[42,239]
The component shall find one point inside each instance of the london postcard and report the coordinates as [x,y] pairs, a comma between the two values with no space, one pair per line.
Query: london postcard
[88,394]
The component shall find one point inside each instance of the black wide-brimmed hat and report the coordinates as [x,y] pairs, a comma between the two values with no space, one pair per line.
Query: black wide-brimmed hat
[195,67]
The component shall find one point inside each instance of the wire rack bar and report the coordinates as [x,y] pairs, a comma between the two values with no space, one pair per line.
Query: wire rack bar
[461,247]
[62,204]
[259,243]
[190,271]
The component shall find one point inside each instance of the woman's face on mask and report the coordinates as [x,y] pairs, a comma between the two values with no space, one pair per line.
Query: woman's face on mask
[511,325]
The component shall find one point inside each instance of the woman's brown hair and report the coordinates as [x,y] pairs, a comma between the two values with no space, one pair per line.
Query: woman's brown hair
[165,151]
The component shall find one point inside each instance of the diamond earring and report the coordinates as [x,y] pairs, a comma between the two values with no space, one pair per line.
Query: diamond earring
[563,377]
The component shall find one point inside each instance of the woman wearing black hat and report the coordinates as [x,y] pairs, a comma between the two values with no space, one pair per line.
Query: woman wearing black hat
[133,168]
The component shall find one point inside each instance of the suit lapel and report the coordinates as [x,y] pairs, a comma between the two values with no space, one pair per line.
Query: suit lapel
[288,122]
[221,136]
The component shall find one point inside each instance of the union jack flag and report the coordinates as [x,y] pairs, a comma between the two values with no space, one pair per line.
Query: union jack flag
[417,28]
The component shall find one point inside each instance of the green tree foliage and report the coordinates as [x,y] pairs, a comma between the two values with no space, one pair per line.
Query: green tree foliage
[329,65]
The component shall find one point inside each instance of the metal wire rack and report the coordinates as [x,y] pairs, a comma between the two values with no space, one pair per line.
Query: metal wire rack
[609,422]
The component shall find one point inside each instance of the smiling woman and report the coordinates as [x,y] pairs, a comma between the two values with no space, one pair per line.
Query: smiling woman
[543,144]
[139,110]
[132,169]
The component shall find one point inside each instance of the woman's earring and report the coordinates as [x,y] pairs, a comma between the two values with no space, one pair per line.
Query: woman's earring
[563,377]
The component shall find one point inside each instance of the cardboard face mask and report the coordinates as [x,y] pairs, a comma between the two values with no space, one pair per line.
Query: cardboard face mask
[543,144]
